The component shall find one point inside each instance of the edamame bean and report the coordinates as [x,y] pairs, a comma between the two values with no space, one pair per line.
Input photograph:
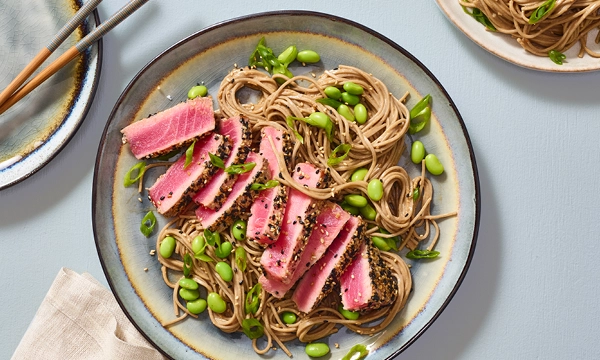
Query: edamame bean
[224,270]
[350,209]
[350,315]
[188,295]
[380,243]
[238,230]
[353,88]
[356,200]
[308,56]
[197,91]
[332,92]
[360,113]
[288,55]
[216,303]
[224,250]
[288,317]
[350,99]
[345,111]
[198,244]
[433,164]
[316,349]
[375,189]
[167,246]
[417,152]
[196,306]
[359,174]
[368,212]
[189,284]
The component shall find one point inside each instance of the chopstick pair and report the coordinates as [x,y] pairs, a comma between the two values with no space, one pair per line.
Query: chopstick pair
[9,96]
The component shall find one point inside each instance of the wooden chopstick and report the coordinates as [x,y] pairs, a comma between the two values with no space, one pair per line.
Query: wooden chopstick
[70,54]
[58,39]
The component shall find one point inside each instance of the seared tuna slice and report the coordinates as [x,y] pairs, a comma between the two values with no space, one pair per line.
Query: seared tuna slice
[214,194]
[280,259]
[367,284]
[329,223]
[322,278]
[239,200]
[174,189]
[267,211]
[170,129]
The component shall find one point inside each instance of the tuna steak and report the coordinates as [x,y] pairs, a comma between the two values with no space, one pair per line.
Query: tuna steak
[280,259]
[170,129]
[367,284]
[173,190]
[214,194]
[322,278]
[267,211]
[329,223]
[239,200]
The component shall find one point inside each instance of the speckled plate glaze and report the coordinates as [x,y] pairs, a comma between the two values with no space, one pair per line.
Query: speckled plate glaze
[507,48]
[36,128]
[207,56]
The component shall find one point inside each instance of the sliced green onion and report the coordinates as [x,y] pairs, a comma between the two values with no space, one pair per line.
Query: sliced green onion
[480,17]
[212,238]
[169,155]
[203,257]
[331,102]
[542,11]
[240,168]
[253,299]
[189,154]
[556,56]
[334,158]
[422,254]
[253,328]
[140,168]
[240,258]
[216,161]
[416,194]
[255,56]
[148,223]
[187,265]
[420,115]
[317,119]
[359,349]
[268,185]
[290,123]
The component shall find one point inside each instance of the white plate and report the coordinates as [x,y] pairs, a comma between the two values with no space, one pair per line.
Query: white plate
[507,48]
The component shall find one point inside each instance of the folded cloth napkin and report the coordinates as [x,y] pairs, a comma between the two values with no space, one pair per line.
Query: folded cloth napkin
[80,319]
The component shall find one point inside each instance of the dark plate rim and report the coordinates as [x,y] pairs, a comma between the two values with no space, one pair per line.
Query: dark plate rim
[86,109]
[140,73]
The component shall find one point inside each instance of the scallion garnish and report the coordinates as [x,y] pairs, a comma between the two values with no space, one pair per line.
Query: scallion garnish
[542,11]
[148,223]
[556,56]
[216,161]
[317,119]
[240,168]
[420,115]
[212,238]
[269,184]
[335,158]
[140,168]
[240,258]
[189,154]
[422,254]
[480,17]
[331,102]
[253,299]
[253,328]
[358,349]
[187,265]
[290,123]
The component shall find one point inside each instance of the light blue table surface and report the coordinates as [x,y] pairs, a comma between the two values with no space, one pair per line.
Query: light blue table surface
[533,286]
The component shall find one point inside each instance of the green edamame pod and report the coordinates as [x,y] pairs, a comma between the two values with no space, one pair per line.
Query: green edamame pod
[197,91]
[167,246]
[417,152]
[238,230]
[350,99]
[359,174]
[288,317]
[224,270]
[356,200]
[368,212]
[188,295]
[196,306]
[216,303]
[332,92]
[189,284]
[345,111]
[316,349]
[360,113]
[350,209]
[375,189]
[308,56]
[224,250]
[353,88]
[433,164]
[350,315]
[288,55]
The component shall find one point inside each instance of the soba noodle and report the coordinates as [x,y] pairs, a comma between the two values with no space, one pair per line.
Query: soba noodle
[376,145]
[567,23]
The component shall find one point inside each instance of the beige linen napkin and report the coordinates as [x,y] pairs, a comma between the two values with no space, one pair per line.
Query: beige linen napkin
[80,319]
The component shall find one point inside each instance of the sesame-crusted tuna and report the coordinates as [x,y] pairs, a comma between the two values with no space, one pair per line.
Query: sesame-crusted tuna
[239,200]
[321,279]
[214,194]
[329,223]
[268,209]
[367,284]
[174,189]
[171,129]
[280,259]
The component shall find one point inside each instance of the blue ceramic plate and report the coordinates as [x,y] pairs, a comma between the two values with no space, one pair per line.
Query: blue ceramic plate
[36,128]
[207,56]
